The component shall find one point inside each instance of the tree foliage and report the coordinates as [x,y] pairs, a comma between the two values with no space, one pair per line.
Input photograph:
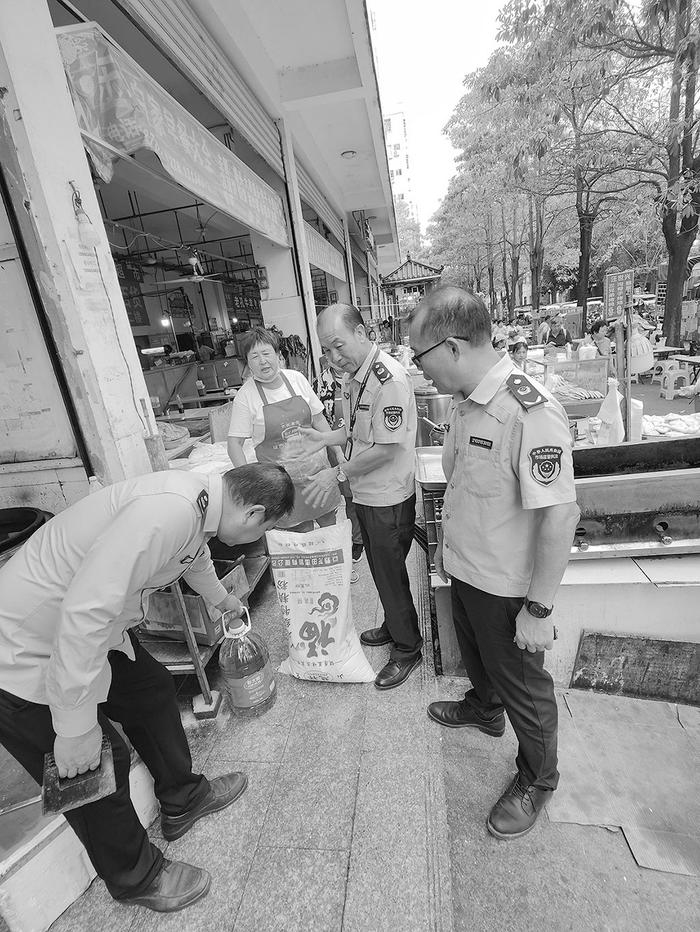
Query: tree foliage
[586,116]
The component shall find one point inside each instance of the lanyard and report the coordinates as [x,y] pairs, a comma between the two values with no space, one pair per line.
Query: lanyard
[353,413]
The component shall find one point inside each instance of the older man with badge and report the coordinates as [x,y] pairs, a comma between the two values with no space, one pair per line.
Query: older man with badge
[508,520]
[379,414]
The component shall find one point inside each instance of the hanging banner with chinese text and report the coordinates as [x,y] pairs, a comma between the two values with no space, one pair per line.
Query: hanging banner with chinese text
[117,102]
[322,254]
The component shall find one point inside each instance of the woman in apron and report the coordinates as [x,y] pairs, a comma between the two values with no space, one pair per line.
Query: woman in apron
[270,407]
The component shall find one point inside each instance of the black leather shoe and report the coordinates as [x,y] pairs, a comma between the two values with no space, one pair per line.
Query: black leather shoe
[462,715]
[375,637]
[177,886]
[396,672]
[516,811]
[222,792]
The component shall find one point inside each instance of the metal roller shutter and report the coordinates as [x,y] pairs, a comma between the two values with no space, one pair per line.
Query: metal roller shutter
[311,193]
[181,35]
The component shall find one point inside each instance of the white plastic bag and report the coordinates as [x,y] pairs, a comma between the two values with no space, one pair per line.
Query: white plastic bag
[612,429]
[312,578]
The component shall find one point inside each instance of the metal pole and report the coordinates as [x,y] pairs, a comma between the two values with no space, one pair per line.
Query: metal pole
[628,373]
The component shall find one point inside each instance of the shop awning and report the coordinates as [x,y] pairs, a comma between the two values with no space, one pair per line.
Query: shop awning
[323,255]
[121,109]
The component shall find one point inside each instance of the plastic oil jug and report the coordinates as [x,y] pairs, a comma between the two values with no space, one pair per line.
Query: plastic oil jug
[245,663]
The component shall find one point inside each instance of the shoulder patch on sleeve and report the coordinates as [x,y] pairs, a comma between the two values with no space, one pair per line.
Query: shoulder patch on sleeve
[202,502]
[526,392]
[382,373]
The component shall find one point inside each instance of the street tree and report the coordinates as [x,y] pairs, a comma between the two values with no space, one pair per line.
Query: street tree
[661,36]
[571,87]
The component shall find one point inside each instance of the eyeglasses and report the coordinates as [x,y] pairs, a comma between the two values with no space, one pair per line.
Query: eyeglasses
[418,356]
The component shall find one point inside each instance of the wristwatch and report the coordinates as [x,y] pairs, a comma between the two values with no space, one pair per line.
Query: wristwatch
[340,475]
[537,609]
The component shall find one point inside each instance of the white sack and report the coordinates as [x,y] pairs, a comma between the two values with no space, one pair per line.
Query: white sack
[312,579]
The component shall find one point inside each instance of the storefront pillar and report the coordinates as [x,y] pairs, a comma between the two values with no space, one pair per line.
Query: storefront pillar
[52,192]
[348,262]
[299,240]
[281,303]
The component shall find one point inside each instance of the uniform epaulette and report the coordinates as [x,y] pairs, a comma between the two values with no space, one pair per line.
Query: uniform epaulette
[382,373]
[525,391]
[202,502]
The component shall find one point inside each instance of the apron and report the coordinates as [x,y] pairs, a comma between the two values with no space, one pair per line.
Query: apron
[282,422]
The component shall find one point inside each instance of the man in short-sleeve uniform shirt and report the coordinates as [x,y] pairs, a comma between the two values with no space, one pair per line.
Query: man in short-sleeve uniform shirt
[379,436]
[508,520]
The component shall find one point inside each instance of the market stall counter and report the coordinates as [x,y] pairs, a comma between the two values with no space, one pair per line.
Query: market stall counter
[635,558]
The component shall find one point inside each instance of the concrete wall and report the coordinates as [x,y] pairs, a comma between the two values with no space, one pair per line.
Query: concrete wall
[655,597]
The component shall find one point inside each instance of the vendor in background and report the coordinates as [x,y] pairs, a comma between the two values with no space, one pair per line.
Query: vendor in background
[543,329]
[500,343]
[599,335]
[518,352]
[204,350]
[270,407]
[558,334]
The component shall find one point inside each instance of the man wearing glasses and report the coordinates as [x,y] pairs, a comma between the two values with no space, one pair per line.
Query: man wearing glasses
[379,438]
[508,520]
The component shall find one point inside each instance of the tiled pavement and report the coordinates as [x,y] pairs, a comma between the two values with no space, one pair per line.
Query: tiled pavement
[363,816]
[343,825]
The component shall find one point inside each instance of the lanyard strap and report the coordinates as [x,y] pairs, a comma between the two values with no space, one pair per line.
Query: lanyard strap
[353,413]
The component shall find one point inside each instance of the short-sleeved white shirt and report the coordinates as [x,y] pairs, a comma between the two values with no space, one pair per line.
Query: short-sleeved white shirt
[502,462]
[386,413]
[247,419]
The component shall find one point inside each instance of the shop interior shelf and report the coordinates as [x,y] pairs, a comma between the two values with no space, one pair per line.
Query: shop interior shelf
[175,655]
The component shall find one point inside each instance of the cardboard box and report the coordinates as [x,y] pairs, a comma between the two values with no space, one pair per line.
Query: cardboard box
[165,618]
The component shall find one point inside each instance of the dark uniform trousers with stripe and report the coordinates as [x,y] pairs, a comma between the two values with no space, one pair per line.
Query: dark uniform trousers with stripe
[505,677]
[142,699]
[387,533]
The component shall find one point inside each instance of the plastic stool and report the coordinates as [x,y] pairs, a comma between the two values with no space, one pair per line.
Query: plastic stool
[661,368]
[671,382]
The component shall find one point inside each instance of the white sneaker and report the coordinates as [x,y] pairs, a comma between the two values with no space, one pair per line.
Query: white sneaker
[354,577]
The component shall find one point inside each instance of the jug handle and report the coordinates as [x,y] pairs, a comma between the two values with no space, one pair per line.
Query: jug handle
[227,633]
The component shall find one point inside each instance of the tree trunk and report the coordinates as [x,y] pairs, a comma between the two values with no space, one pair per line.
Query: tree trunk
[678,244]
[492,288]
[504,257]
[536,225]
[585,222]
[674,296]
[678,241]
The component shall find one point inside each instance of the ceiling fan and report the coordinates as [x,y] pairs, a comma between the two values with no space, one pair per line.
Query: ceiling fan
[196,276]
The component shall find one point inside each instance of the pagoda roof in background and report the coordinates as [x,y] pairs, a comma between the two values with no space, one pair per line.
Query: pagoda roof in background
[411,272]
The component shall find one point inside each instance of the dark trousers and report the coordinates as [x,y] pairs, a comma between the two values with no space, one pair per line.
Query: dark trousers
[505,677]
[387,533]
[354,520]
[142,699]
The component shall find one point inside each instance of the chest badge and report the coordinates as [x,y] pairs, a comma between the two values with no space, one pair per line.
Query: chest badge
[481,442]
[545,464]
[393,417]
